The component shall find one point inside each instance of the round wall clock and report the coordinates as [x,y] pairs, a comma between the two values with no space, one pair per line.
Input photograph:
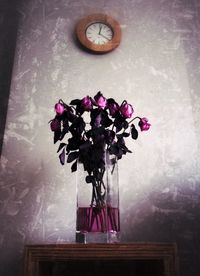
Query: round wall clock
[99,33]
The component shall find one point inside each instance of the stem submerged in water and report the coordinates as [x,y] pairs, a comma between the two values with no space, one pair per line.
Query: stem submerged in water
[102,216]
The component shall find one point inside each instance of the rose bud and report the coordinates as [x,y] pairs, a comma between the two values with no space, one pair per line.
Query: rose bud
[126,110]
[86,103]
[55,125]
[143,124]
[113,108]
[59,108]
[100,100]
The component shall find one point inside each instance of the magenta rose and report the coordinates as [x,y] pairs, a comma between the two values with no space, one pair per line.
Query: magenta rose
[126,110]
[86,103]
[55,125]
[113,108]
[143,124]
[59,108]
[100,100]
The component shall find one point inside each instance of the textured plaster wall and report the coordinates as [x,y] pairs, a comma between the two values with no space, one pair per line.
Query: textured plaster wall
[156,68]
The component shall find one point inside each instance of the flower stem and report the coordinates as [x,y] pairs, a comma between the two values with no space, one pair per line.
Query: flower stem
[134,119]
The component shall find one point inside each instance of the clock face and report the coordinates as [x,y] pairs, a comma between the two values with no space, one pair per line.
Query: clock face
[99,33]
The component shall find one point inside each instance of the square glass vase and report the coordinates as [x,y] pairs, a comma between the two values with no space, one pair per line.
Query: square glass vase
[97,212]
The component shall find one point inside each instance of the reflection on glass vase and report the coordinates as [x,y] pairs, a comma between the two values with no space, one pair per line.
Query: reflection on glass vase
[98,218]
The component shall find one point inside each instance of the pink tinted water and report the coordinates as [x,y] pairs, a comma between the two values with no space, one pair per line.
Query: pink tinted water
[93,219]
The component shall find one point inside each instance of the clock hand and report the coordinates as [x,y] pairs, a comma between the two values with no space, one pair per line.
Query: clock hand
[100,27]
[105,37]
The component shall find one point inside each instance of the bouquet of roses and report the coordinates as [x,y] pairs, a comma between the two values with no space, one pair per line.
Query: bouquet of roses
[89,141]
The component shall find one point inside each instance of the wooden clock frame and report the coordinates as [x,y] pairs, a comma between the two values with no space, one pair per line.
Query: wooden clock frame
[98,18]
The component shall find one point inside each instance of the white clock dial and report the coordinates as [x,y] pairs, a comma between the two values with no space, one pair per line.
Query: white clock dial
[99,33]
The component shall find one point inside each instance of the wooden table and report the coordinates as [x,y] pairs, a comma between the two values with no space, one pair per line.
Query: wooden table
[135,259]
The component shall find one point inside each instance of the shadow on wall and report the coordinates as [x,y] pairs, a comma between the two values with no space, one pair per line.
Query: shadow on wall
[9,19]
[163,218]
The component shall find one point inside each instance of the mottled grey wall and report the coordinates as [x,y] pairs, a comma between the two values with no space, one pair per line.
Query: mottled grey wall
[156,68]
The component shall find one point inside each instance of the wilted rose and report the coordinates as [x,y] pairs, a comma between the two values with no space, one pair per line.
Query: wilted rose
[126,110]
[113,108]
[143,124]
[55,125]
[86,103]
[100,100]
[59,108]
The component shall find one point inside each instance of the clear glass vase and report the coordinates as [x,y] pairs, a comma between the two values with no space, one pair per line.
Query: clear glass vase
[98,218]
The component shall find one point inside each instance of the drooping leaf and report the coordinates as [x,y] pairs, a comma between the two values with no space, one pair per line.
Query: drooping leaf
[62,135]
[120,140]
[123,134]
[57,134]
[73,143]
[125,149]
[62,157]
[66,125]
[75,102]
[61,146]
[71,116]
[74,166]
[125,124]
[119,122]
[126,134]
[114,149]
[105,120]
[77,127]
[134,132]
[89,179]
[72,156]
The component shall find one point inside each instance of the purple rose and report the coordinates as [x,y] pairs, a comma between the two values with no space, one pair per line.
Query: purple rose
[100,100]
[113,108]
[86,103]
[126,110]
[55,125]
[59,108]
[143,124]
